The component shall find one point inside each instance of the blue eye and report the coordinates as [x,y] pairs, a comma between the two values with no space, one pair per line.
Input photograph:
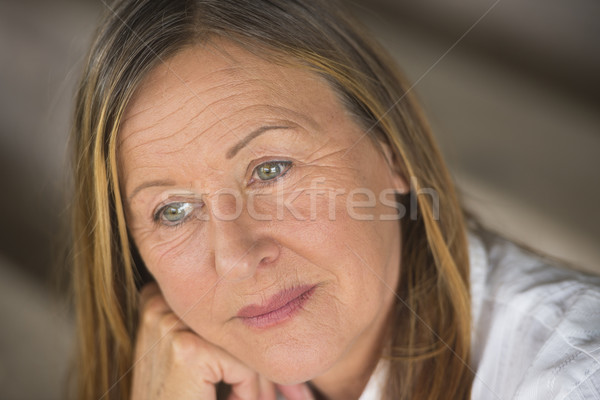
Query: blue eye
[272,169]
[174,213]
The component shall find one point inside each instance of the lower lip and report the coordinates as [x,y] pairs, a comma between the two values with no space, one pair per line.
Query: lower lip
[280,315]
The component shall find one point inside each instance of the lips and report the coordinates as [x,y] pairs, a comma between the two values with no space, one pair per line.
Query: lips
[278,308]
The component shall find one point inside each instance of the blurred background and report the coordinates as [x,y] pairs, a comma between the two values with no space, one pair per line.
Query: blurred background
[510,87]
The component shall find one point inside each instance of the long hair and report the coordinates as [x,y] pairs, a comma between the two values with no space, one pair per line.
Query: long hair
[428,344]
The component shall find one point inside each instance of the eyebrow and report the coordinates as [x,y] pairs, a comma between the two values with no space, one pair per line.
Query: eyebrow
[145,185]
[252,135]
[230,154]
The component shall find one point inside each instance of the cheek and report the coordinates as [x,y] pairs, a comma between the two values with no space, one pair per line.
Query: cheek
[359,256]
[181,267]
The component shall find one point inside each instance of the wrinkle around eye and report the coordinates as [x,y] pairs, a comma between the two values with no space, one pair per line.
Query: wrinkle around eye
[172,243]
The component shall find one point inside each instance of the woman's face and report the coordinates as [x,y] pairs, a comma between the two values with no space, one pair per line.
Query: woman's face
[255,201]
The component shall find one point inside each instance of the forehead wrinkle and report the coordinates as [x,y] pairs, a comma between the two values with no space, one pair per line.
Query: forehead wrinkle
[158,139]
[195,137]
[152,127]
[191,118]
[194,95]
[187,124]
[133,113]
[150,93]
[179,108]
[230,130]
[134,109]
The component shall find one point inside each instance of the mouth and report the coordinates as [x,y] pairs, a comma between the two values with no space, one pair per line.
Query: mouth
[279,308]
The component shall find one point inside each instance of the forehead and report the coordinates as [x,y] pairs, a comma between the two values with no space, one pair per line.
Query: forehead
[220,85]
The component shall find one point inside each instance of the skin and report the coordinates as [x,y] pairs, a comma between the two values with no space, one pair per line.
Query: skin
[177,134]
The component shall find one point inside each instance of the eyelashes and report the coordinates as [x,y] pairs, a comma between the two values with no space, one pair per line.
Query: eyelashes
[176,213]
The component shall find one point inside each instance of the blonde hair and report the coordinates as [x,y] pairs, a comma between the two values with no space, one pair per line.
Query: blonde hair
[429,335]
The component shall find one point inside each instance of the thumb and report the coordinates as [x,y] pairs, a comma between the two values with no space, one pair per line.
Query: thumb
[300,391]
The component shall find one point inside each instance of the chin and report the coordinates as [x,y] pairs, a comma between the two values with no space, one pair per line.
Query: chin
[299,359]
[299,349]
[300,367]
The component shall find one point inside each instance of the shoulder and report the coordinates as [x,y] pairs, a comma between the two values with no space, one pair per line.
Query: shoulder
[536,325]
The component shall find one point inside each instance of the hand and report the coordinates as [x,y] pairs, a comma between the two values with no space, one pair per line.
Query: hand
[173,362]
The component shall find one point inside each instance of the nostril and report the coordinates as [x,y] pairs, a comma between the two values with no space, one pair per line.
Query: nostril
[266,260]
[270,252]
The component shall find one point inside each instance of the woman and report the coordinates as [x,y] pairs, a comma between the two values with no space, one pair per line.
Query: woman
[261,208]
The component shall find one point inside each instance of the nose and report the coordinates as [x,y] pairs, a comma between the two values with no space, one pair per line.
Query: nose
[238,250]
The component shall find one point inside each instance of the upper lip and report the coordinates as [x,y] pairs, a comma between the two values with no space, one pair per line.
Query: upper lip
[274,303]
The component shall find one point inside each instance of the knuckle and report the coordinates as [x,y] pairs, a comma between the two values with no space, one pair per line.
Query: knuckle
[155,304]
[185,347]
[148,319]
[151,311]
[167,324]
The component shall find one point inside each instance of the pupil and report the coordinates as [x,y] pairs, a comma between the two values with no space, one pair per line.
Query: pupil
[270,171]
[173,212]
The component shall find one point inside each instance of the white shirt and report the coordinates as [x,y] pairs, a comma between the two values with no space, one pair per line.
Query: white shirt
[536,328]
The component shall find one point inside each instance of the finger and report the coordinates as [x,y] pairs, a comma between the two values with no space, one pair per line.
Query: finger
[154,305]
[222,366]
[266,389]
[300,391]
[243,381]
